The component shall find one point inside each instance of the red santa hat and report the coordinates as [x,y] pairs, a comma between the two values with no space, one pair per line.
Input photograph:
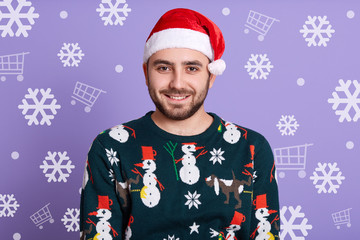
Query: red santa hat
[185,28]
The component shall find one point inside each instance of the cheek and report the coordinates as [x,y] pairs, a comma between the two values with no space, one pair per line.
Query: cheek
[157,81]
[203,86]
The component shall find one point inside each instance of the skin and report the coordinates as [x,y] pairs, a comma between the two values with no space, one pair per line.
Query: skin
[178,81]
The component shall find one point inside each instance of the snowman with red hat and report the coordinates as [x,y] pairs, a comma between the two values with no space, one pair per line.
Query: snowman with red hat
[103,227]
[262,213]
[149,194]
[235,224]
[189,172]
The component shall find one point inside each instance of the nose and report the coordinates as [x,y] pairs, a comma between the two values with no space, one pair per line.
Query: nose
[177,81]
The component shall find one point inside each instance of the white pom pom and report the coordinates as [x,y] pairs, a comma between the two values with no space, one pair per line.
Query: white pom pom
[217,67]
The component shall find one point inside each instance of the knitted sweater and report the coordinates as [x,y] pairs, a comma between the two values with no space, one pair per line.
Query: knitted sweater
[141,182]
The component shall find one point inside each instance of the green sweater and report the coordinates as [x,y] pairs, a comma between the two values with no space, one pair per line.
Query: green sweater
[142,183]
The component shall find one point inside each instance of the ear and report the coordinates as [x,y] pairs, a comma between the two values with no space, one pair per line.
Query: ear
[212,80]
[145,73]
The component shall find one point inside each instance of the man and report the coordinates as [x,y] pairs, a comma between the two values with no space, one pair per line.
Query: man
[180,172]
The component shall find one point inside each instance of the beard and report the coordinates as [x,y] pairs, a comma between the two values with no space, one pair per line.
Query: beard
[178,111]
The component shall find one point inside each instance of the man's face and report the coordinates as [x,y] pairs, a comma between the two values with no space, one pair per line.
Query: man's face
[178,81]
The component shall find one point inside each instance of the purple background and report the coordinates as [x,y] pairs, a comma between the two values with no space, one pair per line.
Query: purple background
[257,103]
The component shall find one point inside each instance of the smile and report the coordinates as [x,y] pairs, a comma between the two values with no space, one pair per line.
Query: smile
[177,97]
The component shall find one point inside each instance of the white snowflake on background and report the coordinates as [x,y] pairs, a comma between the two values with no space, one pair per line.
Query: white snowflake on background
[217,156]
[111,154]
[61,168]
[71,219]
[291,224]
[352,101]
[327,178]
[112,10]
[319,30]
[193,200]
[20,15]
[70,54]
[39,106]
[287,125]
[8,205]
[171,238]
[258,66]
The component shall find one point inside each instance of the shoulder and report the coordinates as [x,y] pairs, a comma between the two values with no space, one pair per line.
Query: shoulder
[258,147]
[254,137]
[121,133]
[250,136]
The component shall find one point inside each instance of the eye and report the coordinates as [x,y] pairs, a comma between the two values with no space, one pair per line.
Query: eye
[163,68]
[192,69]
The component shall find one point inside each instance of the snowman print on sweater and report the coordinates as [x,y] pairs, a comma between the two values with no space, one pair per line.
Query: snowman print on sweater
[103,226]
[149,194]
[262,213]
[120,134]
[231,134]
[235,225]
[128,232]
[189,172]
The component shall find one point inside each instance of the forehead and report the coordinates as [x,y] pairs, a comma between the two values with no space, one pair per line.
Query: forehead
[179,55]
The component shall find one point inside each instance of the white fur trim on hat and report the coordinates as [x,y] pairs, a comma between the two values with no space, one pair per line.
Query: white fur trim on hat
[178,38]
[217,67]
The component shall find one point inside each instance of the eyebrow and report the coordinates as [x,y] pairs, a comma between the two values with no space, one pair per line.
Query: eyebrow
[185,63]
[161,61]
[196,63]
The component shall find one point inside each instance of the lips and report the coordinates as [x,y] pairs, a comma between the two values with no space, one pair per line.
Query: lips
[177,97]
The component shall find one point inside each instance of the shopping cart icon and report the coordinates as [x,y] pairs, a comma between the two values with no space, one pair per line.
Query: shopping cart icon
[86,95]
[291,158]
[259,23]
[342,217]
[12,64]
[42,216]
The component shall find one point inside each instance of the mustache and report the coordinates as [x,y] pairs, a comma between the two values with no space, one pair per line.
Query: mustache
[176,92]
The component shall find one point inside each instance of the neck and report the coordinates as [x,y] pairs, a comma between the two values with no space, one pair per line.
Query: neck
[193,125]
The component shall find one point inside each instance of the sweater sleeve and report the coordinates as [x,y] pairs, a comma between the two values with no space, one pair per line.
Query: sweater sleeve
[265,220]
[101,214]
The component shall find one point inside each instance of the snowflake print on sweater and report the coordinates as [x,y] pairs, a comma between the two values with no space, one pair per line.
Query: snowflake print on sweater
[111,154]
[217,156]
